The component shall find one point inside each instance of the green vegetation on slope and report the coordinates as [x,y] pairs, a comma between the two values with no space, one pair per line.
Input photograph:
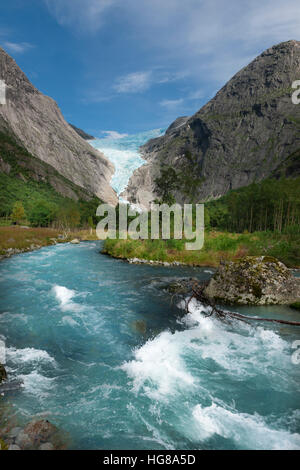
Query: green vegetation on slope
[27,180]
[269,205]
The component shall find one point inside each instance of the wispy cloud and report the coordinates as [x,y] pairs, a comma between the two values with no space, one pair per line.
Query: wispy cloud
[141,81]
[183,104]
[17,48]
[88,15]
[133,82]
[171,104]
[191,33]
[196,95]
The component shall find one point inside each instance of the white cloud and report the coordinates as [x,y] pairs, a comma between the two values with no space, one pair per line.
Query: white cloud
[171,104]
[133,82]
[196,95]
[137,82]
[17,48]
[85,14]
[211,39]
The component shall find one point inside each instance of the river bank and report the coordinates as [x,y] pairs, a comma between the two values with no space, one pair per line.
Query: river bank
[217,246]
[17,239]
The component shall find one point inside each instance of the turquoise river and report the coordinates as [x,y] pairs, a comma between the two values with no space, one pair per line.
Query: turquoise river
[104,355]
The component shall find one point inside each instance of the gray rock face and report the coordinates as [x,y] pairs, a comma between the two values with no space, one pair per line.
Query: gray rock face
[36,122]
[242,135]
[254,281]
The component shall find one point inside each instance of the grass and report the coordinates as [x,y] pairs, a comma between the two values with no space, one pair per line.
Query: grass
[217,246]
[22,239]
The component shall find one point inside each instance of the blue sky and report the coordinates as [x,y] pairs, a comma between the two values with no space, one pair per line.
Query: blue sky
[134,65]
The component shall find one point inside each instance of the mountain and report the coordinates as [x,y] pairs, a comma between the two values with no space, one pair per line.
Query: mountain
[35,122]
[82,133]
[246,133]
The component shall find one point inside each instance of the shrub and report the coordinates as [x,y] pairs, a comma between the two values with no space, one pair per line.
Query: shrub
[18,212]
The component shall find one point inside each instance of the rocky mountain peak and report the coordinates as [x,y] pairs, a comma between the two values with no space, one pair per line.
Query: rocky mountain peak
[240,136]
[35,121]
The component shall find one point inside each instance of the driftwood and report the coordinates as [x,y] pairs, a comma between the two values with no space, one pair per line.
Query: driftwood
[198,294]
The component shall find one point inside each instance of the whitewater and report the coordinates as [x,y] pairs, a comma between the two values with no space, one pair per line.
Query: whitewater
[105,355]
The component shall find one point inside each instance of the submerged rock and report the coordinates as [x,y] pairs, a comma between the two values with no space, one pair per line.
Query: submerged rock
[254,280]
[140,326]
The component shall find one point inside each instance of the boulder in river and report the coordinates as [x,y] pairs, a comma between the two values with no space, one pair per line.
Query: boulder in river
[75,241]
[254,280]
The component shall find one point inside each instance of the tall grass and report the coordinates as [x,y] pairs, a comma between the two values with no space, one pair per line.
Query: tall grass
[217,246]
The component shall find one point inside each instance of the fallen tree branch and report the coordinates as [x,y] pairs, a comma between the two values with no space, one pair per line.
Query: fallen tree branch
[198,294]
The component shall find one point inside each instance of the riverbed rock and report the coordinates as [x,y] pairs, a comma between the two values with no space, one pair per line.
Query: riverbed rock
[40,432]
[46,446]
[24,441]
[253,280]
[14,447]
[75,241]
[15,432]
[2,373]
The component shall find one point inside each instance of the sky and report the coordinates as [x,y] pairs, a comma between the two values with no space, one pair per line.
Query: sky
[127,66]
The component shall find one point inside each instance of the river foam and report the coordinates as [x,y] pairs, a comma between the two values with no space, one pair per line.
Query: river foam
[180,381]
[242,428]
[176,366]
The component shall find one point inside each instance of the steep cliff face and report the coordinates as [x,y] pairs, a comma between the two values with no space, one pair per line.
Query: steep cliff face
[36,122]
[242,135]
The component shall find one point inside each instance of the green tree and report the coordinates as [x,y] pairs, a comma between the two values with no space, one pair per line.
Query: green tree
[18,212]
[166,183]
[42,213]
[68,217]
[91,223]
